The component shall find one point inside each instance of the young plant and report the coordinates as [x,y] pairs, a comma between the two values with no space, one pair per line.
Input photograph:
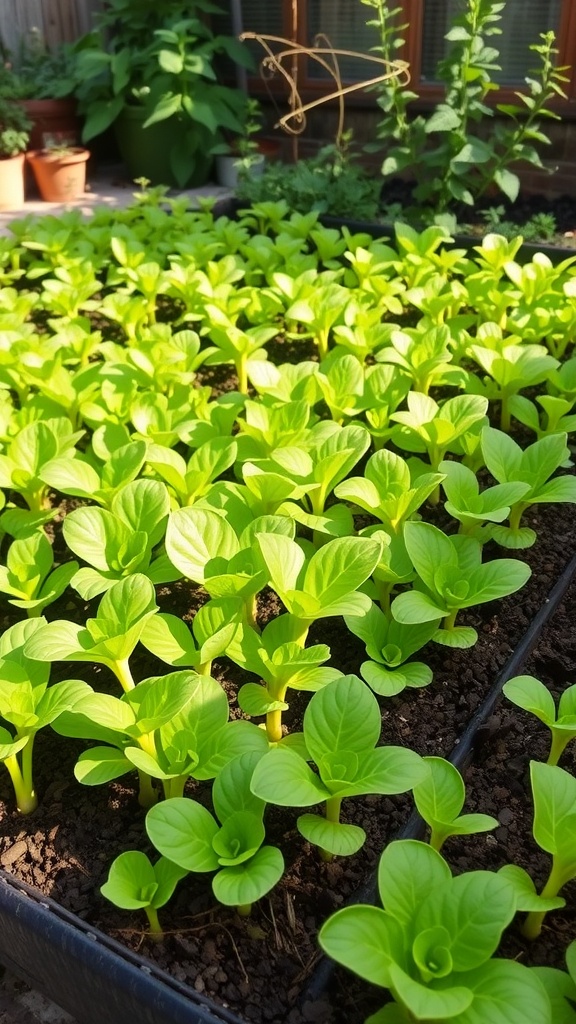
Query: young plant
[432,945]
[439,798]
[327,584]
[231,844]
[193,479]
[223,558]
[531,695]
[109,638]
[438,429]
[511,368]
[389,644]
[554,829]
[281,662]
[342,725]
[119,542]
[387,489]
[474,508]
[135,883]
[100,483]
[29,576]
[28,453]
[451,578]
[561,988]
[424,355]
[28,704]
[170,727]
[534,466]
[213,627]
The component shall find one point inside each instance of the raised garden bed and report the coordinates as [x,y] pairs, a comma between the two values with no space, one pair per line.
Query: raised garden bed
[256,968]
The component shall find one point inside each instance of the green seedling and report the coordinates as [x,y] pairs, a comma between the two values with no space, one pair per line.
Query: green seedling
[135,883]
[213,628]
[555,416]
[451,577]
[389,644]
[531,695]
[384,391]
[109,638]
[27,455]
[326,584]
[193,479]
[474,508]
[554,829]
[511,368]
[29,576]
[272,426]
[282,663]
[235,345]
[535,466]
[27,705]
[120,541]
[321,310]
[170,728]
[394,567]
[388,490]
[432,946]
[222,557]
[231,844]
[341,382]
[439,798]
[438,429]
[342,725]
[423,354]
[100,483]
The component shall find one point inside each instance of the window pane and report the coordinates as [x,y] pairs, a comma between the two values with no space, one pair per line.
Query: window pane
[344,22]
[262,16]
[521,23]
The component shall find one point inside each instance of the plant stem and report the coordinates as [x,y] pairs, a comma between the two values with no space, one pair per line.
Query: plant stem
[251,609]
[26,799]
[121,670]
[333,805]
[147,795]
[560,741]
[244,909]
[155,927]
[450,620]
[533,924]
[516,513]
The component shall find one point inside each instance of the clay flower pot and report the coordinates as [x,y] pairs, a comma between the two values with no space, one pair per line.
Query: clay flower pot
[60,173]
[12,182]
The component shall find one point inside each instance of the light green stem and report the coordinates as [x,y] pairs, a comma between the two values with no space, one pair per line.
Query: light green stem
[26,799]
[174,787]
[516,513]
[250,610]
[533,924]
[450,620]
[244,909]
[560,740]
[147,795]
[242,373]
[333,805]
[121,670]
[155,927]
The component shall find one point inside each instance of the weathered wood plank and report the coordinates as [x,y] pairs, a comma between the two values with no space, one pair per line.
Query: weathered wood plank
[58,20]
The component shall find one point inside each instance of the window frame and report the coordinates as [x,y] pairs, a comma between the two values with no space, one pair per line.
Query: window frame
[428,94]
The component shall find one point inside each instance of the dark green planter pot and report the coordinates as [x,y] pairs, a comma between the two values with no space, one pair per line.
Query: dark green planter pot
[146,151]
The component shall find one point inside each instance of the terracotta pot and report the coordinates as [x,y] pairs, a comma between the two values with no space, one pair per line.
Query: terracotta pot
[12,182]
[54,123]
[60,176]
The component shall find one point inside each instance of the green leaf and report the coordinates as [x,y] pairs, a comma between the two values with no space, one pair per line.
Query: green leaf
[246,883]
[183,831]
[408,871]
[505,992]
[283,778]
[131,882]
[366,940]
[525,891]
[335,837]
[530,694]
[101,764]
[342,716]
[255,700]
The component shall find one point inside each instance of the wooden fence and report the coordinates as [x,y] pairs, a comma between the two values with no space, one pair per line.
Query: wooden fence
[57,20]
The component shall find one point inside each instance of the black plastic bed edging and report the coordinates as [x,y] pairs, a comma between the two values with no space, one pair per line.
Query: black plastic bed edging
[460,756]
[99,981]
[88,974]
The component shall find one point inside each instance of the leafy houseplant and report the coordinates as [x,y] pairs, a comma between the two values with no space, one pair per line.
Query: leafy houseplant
[41,79]
[14,135]
[149,69]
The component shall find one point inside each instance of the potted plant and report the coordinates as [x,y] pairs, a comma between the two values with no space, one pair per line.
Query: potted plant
[59,171]
[149,69]
[14,135]
[41,80]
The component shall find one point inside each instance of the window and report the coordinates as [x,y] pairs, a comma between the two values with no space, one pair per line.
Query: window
[344,22]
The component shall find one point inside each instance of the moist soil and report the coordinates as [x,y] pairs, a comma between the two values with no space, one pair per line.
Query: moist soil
[260,966]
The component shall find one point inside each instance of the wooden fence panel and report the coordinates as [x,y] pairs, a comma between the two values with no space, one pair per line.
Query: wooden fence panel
[58,20]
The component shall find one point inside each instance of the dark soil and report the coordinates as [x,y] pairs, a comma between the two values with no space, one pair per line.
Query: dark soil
[260,966]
